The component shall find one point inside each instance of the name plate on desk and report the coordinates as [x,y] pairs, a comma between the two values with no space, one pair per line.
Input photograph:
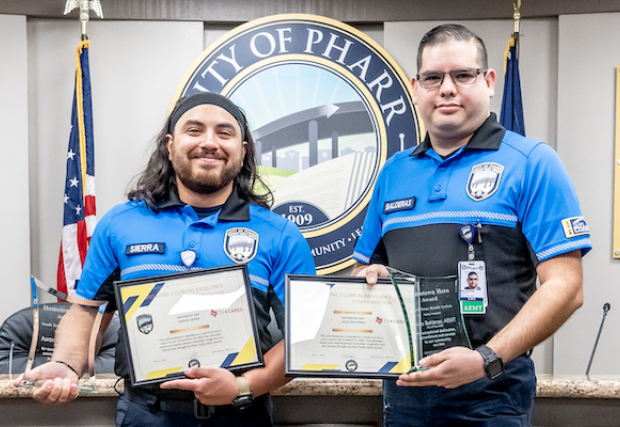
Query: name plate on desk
[343,327]
[201,318]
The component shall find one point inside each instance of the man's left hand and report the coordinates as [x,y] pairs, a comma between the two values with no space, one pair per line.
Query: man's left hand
[449,368]
[212,386]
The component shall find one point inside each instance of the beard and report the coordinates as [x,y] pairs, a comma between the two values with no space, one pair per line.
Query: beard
[206,180]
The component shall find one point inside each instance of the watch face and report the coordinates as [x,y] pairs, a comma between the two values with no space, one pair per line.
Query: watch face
[242,402]
[494,369]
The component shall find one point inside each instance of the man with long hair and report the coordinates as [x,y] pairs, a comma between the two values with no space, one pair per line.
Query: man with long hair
[196,201]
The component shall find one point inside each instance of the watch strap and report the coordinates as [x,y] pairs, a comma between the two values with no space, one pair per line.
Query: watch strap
[487,354]
[493,364]
[244,386]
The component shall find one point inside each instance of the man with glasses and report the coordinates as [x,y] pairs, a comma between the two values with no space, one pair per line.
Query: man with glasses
[482,198]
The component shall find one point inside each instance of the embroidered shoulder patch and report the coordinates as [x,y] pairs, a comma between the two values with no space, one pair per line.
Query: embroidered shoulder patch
[575,226]
[399,205]
[145,248]
[484,180]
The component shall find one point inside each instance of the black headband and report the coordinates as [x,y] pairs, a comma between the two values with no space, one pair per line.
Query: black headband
[186,104]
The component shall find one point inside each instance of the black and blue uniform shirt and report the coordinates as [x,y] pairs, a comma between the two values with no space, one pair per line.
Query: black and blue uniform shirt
[516,188]
[132,241]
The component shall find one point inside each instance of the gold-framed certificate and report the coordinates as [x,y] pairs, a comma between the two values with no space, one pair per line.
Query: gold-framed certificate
[202,318]
[341,326]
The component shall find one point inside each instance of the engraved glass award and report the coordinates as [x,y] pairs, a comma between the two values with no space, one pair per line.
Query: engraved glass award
[433,317]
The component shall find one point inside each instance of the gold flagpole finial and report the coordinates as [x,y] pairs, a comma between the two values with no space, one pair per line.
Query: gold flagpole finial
[516,16]
[85,6]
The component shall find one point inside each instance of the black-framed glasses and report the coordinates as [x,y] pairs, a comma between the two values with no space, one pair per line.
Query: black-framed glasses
[461,77]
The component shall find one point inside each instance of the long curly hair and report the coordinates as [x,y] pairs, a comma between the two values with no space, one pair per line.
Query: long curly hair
[154,184]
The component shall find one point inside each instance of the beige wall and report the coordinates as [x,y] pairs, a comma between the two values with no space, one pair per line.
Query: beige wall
[15,210]
[588,56]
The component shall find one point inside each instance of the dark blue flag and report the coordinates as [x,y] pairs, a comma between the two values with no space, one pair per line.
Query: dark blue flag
[512,106]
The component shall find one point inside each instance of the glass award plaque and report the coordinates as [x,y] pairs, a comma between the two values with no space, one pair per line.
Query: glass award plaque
[434,318]
[202,318]
[46,318]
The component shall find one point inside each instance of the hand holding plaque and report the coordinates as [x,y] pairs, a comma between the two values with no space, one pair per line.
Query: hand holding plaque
[434,314]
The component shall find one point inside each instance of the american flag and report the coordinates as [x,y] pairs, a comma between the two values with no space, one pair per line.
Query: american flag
[79,199]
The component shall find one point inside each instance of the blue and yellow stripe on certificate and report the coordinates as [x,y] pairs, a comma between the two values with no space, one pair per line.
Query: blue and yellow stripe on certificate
[389,367]
[397,368]
[134,297]
[161,373]
[245,356]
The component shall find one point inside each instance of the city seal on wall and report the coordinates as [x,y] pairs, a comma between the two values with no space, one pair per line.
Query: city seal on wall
[327,107]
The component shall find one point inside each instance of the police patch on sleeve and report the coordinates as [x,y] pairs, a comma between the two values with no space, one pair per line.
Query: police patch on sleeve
[240,244]
[575,226]
[484,180]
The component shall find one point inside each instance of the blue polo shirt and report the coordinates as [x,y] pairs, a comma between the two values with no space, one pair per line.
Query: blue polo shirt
[515,190]
[132,241]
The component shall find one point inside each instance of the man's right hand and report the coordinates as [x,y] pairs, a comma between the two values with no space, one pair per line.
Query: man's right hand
[370,272]
[60,384]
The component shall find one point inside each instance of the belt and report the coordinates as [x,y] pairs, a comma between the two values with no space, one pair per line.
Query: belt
[159,402]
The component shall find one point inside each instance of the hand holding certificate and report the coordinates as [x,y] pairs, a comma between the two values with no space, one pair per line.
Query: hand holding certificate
[196,319]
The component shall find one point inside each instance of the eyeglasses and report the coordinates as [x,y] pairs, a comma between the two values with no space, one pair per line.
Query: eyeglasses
[461,77]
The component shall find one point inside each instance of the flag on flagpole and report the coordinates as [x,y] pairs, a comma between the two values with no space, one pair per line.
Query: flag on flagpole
[512,106]
[79,199]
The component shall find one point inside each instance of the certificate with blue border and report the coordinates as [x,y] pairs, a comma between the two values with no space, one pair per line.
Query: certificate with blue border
[201,318]
[342,327]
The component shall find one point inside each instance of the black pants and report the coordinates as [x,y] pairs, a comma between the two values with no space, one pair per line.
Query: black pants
[137,410]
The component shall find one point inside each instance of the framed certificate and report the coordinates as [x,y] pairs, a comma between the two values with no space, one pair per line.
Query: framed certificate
[202,318]
[341,326]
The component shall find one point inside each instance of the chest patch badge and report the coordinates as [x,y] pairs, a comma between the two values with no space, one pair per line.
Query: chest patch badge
[145,248]
[240,244]
[188,257]
[575,226]
[484,180]
[399,205]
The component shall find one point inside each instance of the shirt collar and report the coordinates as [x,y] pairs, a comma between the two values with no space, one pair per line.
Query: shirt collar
[488,136]
[235,209]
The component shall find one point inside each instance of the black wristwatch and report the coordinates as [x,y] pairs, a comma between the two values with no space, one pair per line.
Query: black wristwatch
[493,364]
[244,399]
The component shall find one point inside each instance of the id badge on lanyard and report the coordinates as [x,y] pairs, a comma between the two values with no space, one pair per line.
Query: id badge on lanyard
[473,291]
